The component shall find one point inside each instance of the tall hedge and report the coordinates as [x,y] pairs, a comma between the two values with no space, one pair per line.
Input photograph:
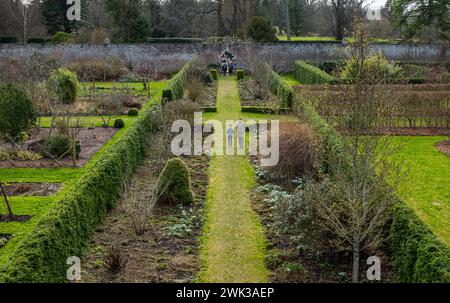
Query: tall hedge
[175,87]
[418,255]
[65,230]
[280,87]
[309,74]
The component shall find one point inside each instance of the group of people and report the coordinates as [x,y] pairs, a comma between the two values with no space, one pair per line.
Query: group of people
[227,62]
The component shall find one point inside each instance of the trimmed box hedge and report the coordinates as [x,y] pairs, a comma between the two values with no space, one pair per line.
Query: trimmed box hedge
[280,88]
[65,230]
[175,87]
[309,74]
[264,110]
[418,255]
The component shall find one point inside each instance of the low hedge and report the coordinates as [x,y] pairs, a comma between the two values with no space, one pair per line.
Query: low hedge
[175,87]
[65,230]
[264,110]
[280,88]
[418,255]
[309,74]
[208,109]
[8,40]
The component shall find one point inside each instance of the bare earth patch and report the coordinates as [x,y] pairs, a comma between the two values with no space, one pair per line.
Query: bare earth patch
[444,147]
[91,140]
[31,189]
[14,218]
[168,251]
[4,239]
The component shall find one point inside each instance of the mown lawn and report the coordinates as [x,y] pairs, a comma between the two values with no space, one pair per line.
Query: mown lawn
[427,187]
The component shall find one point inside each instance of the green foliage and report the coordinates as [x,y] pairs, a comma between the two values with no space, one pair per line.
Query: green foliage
[174,185]
[119,123]
[55,14]
[260,29]
[418,255]
[375,65]
[175,87]
[17,113]
[133,112]
[62,37]
[432,13]
[64,84]
[240,74]
[214,73]
[130,25]
[58,145]
[280,88]
[65,228]
[8,40]
[308,74]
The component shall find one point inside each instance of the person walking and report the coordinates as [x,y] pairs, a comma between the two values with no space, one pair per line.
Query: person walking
[230,134]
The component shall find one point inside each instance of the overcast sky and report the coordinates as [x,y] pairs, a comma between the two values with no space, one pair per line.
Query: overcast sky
[378,3]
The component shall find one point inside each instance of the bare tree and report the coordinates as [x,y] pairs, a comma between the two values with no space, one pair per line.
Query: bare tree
[354,201]
[23,12]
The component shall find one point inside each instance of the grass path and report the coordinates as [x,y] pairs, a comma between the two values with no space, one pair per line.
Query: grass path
[233,244]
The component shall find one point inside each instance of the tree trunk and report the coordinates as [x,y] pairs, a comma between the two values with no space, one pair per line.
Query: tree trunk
[355,272]
[220,26]
[288,22]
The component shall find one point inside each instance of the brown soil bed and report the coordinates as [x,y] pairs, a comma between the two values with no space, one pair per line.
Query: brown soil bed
[444,147]
[4,239]
[163,253]
[31,189]
[287,265]
[408,131]
[14,218]
[247,99]
[91,140]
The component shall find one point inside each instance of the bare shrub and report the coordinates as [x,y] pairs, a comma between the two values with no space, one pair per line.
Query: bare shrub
[114,259]
[194,89]
[297,153]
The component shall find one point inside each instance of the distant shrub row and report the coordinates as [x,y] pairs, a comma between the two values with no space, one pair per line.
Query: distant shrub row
[280,88]
[309,74]
[418,255]
[175,87]
[65,230]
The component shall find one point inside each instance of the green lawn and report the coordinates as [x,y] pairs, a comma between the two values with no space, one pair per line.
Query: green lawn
[290,79]
[427,187]
[233,242]
[89,121]
[309,39]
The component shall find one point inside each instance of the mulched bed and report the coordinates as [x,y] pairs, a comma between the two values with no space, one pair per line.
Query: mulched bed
[444,147]
[210,96]
[14,218]
[91,139]
[31,189]
[246,98]
[168,251]
[287,265]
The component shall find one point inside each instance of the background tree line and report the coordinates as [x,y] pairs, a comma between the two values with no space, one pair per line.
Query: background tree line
[128,21]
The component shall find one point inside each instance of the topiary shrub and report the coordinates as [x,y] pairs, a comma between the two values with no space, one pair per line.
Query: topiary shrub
[214,74]
[64,85]
[119,123]
[240,74]
[17,112]
[62,37]
[58,145]
[133,112]
[261,30]
[174,185]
